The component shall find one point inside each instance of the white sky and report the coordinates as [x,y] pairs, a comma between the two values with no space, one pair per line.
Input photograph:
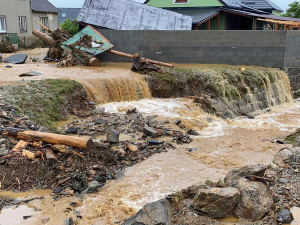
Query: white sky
[78,3]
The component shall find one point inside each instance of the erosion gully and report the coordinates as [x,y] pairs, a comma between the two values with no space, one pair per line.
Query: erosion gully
[220,146]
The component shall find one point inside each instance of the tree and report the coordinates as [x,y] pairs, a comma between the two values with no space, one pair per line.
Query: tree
[294,10]
[70,25]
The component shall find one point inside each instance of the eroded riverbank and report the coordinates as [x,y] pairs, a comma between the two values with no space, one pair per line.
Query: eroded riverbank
[239,142]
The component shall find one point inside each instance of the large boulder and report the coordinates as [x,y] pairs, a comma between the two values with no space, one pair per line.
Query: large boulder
[234,175]
[155,213]
[256,200]
[217,202]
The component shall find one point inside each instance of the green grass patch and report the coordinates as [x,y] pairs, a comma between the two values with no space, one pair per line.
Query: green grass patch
[43,101]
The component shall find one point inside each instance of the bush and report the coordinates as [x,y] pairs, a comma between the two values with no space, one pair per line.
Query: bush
[70,25]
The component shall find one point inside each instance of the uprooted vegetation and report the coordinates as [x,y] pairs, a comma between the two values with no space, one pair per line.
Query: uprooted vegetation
[225,88]
[48,101]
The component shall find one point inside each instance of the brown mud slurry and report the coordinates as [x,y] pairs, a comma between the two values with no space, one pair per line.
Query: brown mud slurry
[221,146]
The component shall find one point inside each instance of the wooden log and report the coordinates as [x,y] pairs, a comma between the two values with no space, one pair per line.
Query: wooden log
[45,28]
[20,145]
[122,54]
[94,62]
[44,37]
[78,142]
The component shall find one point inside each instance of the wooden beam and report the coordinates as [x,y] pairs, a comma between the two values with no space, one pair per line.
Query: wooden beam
[218,26]
[77,142]
[276,26]
[285,27]
[255,23]
[208,25]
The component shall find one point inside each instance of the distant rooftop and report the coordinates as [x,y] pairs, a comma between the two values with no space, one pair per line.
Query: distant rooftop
[68,13]
[43,6]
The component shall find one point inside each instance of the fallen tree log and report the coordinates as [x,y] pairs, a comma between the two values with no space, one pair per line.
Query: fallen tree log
[44,37]
[122,54]
[78,142]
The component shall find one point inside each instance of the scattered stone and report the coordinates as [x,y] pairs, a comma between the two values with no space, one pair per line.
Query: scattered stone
[79,182]
[285,217]
[112,136]
[132,111]
[177,122]
[119,174]
[154,142]
[35,59]
[150,132]
[234,175]
[216,202]
[153,123]
[8,66]
[283,157]
[92,187]
[26,217]
[132,148]
[72,130]
[93,103]
[155,213]
[192,132]
[100,121]
[30,74]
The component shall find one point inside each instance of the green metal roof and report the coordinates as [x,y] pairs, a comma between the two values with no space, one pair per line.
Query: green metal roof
[192,3]
[198,14]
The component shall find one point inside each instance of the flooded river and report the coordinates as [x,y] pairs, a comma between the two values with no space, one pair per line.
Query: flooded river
[221,145]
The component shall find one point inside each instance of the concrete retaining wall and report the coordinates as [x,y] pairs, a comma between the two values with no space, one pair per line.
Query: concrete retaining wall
[279,49]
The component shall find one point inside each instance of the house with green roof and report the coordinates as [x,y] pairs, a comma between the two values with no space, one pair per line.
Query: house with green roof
[230,14]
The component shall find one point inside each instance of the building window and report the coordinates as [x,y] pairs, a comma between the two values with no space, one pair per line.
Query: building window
[22,24]
[44,20]
[2,24]
[64,15]
[180,1]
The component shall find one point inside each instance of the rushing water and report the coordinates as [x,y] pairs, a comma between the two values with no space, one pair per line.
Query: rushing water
[221,145]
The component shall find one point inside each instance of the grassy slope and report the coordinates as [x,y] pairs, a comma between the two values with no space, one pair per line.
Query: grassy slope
[43,101]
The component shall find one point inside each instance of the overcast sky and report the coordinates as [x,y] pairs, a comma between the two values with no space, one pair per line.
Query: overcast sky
[78,3]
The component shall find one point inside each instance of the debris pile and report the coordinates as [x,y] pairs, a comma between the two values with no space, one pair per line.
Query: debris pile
[71,165]
[84,47]
[6,47]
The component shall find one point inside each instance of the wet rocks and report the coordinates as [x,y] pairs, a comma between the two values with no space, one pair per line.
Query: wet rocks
[72,130]
[283,157]
[100,121]
[155,213]
[112,136]
[92,187]
[79,182]
[150,132]
[234,175]
[256,200]
[216,202]
[284,217]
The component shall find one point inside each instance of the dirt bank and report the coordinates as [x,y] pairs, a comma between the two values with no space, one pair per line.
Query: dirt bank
[225,90]
[48,101]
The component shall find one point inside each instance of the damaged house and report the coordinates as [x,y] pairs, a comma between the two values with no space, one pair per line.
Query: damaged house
[130,15]
[230,14]
[19,18]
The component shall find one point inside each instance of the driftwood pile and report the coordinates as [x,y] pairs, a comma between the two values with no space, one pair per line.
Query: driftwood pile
[76,56]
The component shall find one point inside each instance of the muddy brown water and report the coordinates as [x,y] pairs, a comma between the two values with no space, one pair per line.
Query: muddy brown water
[221,145]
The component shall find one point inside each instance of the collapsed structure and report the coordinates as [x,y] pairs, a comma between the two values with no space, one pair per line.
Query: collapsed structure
[130,15]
